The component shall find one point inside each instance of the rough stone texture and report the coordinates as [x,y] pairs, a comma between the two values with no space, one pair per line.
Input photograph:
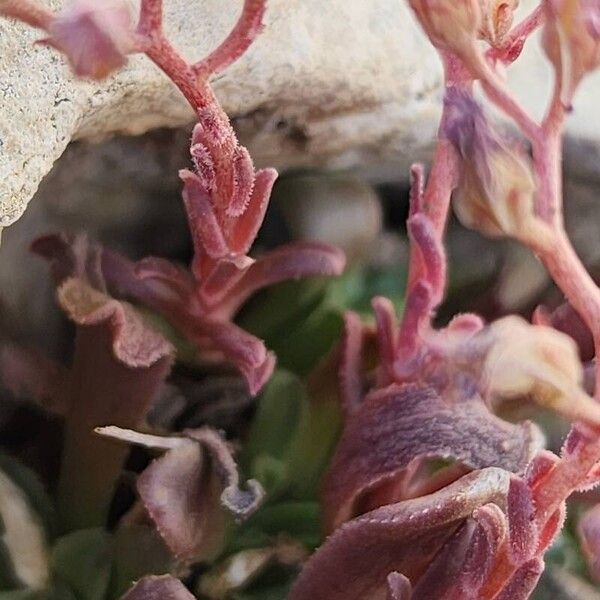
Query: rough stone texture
[324,78]
[339,83]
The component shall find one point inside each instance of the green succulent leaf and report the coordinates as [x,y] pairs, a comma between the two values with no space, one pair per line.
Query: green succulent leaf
[82,560]
[291,438]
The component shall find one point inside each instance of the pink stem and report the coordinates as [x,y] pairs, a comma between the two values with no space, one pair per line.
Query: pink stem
[28,11]
[246,30]
[515,40]
[151,17]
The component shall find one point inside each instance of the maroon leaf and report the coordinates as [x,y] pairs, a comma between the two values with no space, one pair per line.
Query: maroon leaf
[243,231]
[118,367]
[523,582]
[443,576]
[400,425]
[29,375]
[158,588]
[488,538]
[354,563]
[238,347]
[523,534]
[205,228]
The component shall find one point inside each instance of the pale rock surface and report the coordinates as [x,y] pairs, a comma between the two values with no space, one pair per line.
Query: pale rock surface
[325,79]
[337,83]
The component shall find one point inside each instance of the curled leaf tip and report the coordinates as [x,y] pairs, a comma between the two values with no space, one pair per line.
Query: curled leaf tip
[134,343]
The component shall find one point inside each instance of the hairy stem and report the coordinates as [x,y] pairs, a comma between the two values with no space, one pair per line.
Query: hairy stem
[241,37]
[28,11]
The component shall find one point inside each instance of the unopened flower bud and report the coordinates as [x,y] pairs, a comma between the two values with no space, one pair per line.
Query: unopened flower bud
[496,192]
[450,24]
[496,20]
[571,40]
[95,36]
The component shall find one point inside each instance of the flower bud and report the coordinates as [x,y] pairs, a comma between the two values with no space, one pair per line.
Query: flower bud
[496,20]
[95,36]
[571,40]
[535,362]
[496,192]
[450,24]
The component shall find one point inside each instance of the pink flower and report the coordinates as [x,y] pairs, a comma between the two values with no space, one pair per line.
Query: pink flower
[572,40]
[95,37]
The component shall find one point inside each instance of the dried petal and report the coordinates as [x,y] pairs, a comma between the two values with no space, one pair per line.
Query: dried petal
[133,343]
[354,562]
[401,424]
[496,192]
[186,489]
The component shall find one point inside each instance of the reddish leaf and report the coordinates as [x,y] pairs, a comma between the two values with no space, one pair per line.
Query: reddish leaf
[242,231]
[158,588]
[354,563]
[243,182]
[523,534]
[238,347]
[206,231]
[403,424]
[523,582]
[118,367]
[293,261]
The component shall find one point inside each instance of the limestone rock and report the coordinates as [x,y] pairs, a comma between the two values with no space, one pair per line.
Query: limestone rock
[324,79]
